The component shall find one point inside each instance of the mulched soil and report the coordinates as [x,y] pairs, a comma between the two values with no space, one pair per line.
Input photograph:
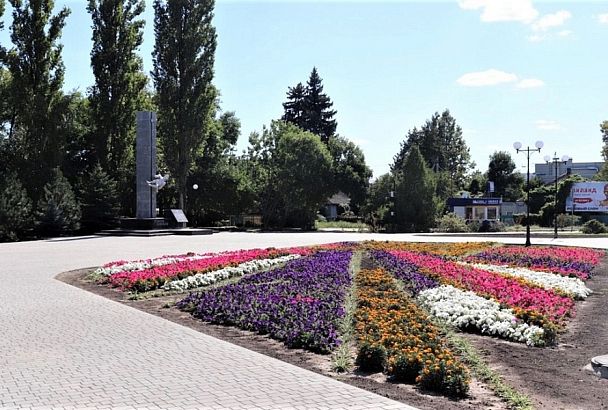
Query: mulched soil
[554,377]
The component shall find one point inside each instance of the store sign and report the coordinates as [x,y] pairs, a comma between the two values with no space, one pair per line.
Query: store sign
[588,197]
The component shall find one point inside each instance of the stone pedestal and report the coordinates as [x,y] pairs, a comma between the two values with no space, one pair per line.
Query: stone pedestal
[145,158]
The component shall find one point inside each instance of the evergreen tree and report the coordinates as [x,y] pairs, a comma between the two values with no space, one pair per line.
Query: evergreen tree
[15,210]
[58,211]
[99,199]
[119,82]
[295,106]
[310,109]
[443,147]
[319,115]
[36,97]
[184,54]
[415,201]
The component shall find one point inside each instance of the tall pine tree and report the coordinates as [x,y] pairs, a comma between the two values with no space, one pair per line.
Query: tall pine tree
[310,109]
[295,106]
[37,101]
[119,82]
[184,54]
[442,145]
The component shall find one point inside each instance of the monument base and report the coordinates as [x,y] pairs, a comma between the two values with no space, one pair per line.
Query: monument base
[144,223]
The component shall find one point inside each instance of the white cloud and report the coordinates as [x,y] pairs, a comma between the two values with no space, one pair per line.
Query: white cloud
[551,20]
[486,78]
[603,18]
[565,33]
[548,125]
[502,10]
[530,83]
[536,38]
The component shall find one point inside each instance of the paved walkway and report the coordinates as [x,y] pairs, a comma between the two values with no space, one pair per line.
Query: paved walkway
[62,347]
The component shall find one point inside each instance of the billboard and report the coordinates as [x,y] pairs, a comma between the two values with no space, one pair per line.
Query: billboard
[588,197]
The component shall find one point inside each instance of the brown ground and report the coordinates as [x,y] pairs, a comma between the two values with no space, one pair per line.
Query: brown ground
[553,377]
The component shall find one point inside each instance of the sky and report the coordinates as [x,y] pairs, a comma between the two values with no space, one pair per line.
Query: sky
[508,70]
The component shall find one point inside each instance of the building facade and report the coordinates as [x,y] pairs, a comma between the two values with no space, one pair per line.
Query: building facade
[546,171]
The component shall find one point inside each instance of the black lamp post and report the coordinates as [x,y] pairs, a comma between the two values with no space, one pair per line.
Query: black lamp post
[564,159]
[528,151]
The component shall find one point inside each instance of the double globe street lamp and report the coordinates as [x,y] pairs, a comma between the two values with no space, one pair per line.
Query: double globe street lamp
[564,160]
[528,151]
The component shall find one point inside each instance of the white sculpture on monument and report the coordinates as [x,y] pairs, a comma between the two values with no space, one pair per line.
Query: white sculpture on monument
[158,182]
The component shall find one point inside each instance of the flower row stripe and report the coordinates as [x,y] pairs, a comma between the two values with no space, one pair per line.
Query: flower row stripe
[465,309]
[578,262]
[206,279]
[392,332]
[573,287]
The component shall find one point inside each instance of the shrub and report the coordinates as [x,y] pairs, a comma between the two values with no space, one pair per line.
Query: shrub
[15,210]
[451,223]
[594,226]
[58,211]
[565,220]
[371,357]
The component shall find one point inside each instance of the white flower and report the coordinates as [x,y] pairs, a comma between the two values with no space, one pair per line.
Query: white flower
[208,278]
[466,309]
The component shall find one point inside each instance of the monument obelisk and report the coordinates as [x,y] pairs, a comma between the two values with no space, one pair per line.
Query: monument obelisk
[145,164]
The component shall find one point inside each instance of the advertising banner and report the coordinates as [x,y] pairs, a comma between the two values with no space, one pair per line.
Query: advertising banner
[588,197]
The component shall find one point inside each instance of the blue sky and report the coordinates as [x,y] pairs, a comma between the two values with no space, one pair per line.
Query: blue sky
[508,70]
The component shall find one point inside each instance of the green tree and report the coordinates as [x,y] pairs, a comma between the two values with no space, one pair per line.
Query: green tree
[119,82]
[351,173]
[184,54]
[295,174]
[507,183]
[378,201]
[415,201]
[218,174]
[477,183]
[58,211]
[37,101]
[15,210]
[99,201]
[295,106]
[310,109]
[79,149]
[443,147]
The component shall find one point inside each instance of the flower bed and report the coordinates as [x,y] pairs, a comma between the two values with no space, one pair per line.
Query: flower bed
[156,276]
[395,335]
[528,301]
[578,262]
[206,279]
[300,304]
[570,286]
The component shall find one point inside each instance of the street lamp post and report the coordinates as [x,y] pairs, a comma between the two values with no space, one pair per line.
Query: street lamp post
[528,151]
[564,159]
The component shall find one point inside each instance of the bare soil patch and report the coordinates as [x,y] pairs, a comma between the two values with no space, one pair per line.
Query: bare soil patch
[553,377]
